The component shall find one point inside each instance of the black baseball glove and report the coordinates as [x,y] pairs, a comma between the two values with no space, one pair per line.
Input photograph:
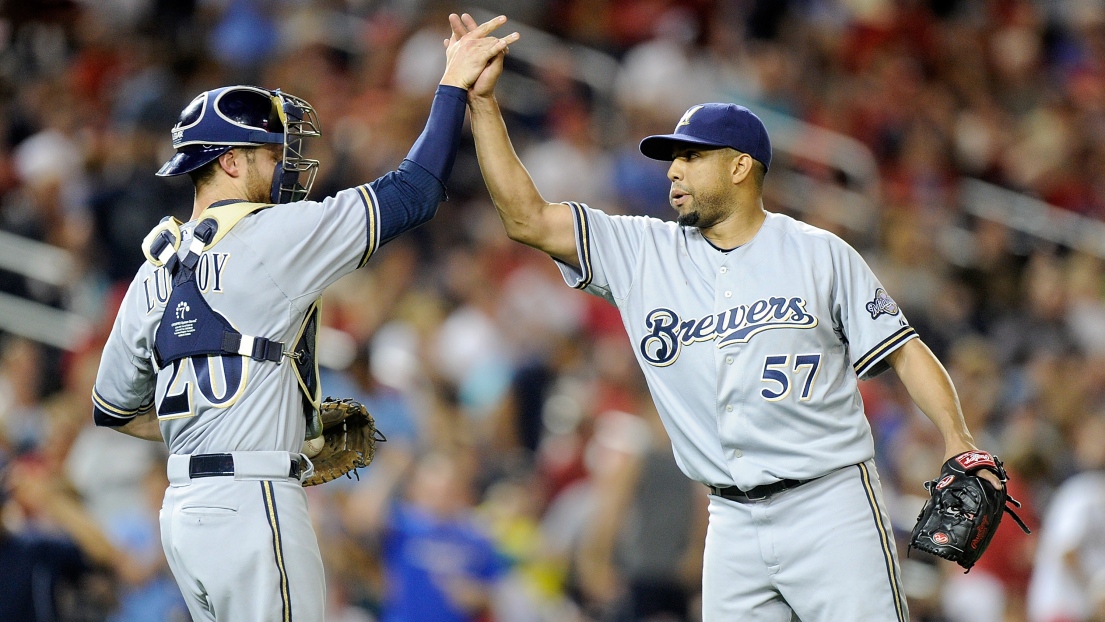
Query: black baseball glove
[963,510]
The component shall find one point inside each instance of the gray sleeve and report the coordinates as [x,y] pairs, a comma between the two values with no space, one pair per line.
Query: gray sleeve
[312,244]
[608,248]
[871,322]
[126,379]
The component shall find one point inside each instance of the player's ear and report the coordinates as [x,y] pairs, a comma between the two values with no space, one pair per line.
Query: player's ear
[232,162]
[740,167]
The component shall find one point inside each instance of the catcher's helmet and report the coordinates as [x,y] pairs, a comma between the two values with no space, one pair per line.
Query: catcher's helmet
[235,116]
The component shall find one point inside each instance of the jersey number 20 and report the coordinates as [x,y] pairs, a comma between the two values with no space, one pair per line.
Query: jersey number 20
[219,387]
[777,371]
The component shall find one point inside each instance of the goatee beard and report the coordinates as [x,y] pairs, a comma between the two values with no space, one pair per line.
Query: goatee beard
[689,219]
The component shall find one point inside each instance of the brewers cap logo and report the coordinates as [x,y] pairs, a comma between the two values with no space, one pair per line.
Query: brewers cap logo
[686,118]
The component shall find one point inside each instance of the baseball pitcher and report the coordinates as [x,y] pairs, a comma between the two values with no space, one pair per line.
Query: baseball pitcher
[753,330]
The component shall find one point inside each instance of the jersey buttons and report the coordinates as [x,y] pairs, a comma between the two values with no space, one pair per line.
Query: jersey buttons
[728,360]
[738,453]
[728,294]
[724,269]
[729,408]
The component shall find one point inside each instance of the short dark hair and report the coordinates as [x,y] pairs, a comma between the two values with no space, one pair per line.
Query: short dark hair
[204,174]
[759,171]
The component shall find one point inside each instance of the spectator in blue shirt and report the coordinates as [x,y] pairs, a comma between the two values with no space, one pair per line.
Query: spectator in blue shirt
[440,564]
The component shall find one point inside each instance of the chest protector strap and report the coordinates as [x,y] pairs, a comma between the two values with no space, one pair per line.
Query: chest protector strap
[189,326]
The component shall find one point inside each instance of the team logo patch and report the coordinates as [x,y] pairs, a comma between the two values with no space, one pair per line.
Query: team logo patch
[947,479]
[940,537]
[883,304]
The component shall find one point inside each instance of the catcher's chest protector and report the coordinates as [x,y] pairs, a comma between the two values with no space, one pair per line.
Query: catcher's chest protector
[190,327]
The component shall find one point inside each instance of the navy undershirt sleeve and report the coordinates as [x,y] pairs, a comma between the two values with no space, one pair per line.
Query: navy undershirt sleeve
[436,149]
[409,196]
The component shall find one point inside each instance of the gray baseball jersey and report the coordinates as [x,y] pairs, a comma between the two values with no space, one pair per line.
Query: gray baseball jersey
[264,276]
[752,355]
[255,280]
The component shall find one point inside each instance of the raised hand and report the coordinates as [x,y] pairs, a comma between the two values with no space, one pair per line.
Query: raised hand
[485,84]
[469,50]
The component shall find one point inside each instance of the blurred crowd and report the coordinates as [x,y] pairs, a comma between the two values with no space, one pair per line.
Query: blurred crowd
[526,476]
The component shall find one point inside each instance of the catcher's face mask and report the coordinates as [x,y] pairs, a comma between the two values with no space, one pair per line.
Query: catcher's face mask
[219,120]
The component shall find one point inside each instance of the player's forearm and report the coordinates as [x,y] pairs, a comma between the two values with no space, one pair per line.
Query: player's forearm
[512,189]
[436,148]
[932,390]
[143,426]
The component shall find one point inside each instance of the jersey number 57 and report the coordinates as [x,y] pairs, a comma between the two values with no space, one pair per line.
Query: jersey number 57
[777,370]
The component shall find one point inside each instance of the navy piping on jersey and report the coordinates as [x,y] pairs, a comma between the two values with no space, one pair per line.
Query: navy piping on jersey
[720,249]
[372,218]
[583,242]
[884,347]
[886,542]
[104,419]
[277,549]
[114,409]
[106,414]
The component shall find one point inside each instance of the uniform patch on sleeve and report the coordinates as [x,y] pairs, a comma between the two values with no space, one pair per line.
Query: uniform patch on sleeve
[883,304]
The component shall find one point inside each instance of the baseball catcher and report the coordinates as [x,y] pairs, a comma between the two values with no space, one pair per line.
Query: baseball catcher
[347,442]
[963,510]
[223,318]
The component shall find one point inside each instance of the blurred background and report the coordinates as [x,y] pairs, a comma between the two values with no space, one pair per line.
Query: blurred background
[958,144]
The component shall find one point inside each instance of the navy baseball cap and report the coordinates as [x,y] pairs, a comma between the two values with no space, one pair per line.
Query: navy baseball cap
[714,126]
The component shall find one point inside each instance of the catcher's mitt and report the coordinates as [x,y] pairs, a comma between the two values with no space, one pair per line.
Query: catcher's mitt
[963,510]
[349,440]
